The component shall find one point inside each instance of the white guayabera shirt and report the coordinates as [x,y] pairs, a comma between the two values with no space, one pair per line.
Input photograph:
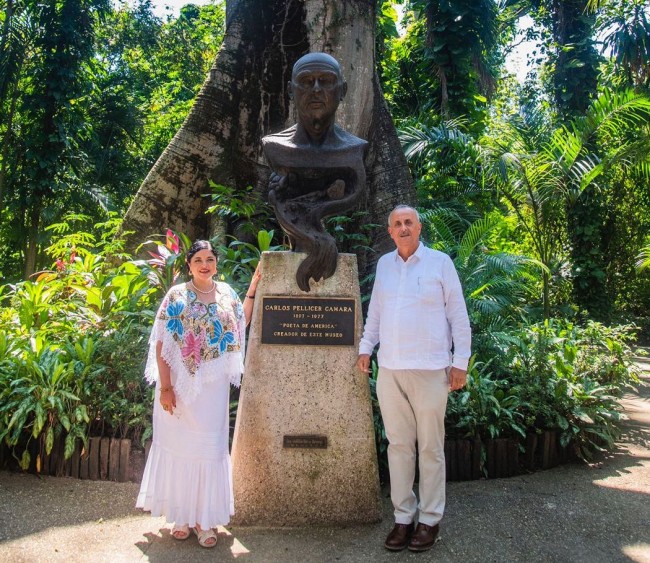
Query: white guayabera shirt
[417,312]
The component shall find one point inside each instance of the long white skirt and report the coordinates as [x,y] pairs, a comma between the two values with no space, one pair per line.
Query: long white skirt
[188,476]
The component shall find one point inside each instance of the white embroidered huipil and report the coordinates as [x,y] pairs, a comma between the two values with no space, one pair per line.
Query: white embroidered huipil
[187,477]
[416,312]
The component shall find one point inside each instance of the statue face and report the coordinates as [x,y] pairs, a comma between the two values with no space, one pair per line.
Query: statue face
[317,89]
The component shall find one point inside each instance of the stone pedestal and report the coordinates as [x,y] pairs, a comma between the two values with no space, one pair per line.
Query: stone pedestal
[291,391]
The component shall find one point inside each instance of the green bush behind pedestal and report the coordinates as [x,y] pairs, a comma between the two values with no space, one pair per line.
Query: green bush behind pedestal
[74,340]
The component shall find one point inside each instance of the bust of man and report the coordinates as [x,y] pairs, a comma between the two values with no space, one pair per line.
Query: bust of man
[317,167]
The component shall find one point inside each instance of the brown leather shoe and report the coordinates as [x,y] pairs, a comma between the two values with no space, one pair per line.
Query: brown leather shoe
[424,537]
[399,537]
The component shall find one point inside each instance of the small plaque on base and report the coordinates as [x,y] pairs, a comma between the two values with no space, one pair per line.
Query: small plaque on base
[305,441]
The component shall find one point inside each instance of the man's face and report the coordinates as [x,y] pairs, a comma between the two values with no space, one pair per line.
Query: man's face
[405,229]
[317,91]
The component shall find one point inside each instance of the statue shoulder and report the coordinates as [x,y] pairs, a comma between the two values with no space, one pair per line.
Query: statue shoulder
[283,138]
[350,139]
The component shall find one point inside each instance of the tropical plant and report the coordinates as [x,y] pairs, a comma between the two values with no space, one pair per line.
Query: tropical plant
[485,408]
[351,232]
[239,259]
[446,61]
[570,378]
[542,181]
[626,28]
[72,348]
[44,397]
[167,261]
[643,261]
[497,285]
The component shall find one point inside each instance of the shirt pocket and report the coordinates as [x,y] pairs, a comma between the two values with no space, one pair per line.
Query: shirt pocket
[430,290]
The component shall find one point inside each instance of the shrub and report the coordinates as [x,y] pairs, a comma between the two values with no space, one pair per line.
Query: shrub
[71,345]
[569,378]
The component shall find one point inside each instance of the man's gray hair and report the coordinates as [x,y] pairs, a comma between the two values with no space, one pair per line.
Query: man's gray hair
[403,208]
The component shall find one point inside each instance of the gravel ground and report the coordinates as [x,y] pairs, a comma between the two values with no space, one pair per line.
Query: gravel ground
[577,512]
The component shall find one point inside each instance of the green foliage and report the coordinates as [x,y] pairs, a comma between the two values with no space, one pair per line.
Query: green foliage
[497,285]
[549,376]
[572,54]
[569,378]
[446,60]
[90,95]
[627,29]
[246,209]
[541,179]
[72,347]
[485,408]
[239,259]
[43,396]
[351,232]
[167,262]
[644,258]
[249,213]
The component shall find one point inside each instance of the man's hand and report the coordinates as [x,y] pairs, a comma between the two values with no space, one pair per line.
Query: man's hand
[457,378]
[363,363]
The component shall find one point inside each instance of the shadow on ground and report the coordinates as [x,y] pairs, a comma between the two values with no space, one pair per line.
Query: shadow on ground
[577,512]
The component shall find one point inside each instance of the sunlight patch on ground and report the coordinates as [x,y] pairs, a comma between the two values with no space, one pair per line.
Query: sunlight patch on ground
[630,480]
[638,552]
[98,538]
[237,548]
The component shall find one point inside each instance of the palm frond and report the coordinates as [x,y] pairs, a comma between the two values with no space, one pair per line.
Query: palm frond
[476,234]
[612,113]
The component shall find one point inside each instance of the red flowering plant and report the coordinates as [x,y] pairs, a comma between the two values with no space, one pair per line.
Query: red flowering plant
[166,263]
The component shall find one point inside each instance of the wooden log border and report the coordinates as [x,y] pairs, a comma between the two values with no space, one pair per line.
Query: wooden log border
[109,459]
[105,459]
[466,460]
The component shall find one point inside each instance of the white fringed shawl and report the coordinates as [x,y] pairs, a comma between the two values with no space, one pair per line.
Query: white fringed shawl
[199,342]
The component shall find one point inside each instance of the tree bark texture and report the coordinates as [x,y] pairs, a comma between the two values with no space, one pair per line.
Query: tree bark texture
[245,97]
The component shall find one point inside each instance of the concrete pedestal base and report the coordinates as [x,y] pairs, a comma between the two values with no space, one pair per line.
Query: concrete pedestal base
[291,390]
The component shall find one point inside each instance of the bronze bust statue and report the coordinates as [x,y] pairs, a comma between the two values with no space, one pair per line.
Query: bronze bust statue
[317,167]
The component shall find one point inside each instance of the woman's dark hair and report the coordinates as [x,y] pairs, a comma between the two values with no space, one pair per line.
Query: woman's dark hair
[198,245]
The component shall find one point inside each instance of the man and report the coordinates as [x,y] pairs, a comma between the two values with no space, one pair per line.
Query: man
[418,314]
[317,166]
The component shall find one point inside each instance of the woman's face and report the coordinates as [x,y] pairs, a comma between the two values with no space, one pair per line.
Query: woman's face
[203,265]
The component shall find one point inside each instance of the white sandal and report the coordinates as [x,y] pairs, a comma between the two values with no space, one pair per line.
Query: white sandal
[182,531]
[204,536]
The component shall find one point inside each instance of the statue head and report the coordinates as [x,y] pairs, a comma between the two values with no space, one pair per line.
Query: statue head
[317,87]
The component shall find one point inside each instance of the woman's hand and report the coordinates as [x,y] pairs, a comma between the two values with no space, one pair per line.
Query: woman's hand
[257,275]
[249,300]
[168,399]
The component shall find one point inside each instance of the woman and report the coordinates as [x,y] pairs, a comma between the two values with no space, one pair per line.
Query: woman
[196,352]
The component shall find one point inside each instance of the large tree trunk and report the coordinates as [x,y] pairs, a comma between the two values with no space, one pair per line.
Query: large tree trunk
[244,98]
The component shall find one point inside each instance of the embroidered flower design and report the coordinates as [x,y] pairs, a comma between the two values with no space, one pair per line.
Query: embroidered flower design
[238,308]
[174,324]
[192,346]
[220,337]
[198,309]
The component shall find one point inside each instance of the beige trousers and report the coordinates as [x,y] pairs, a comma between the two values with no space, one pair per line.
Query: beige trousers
[413,404]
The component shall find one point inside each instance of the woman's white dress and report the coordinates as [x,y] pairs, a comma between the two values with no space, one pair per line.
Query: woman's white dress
[187,477]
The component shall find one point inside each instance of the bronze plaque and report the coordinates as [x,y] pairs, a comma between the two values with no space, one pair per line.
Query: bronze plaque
[305,441]
[310,321]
